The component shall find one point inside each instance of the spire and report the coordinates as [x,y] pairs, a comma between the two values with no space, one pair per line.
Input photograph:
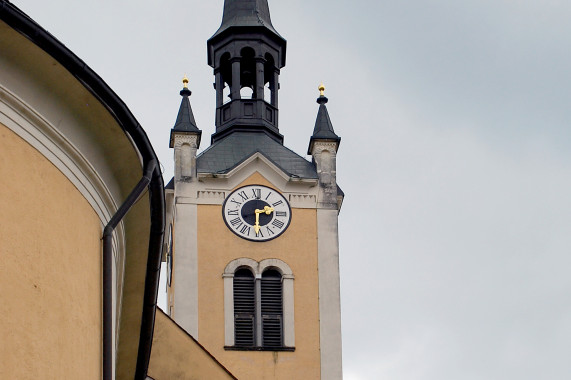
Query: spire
[185,123]
[244,17]
[323,128]
[246,13]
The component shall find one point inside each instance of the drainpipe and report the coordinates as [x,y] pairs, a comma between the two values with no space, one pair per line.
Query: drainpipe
[108,267]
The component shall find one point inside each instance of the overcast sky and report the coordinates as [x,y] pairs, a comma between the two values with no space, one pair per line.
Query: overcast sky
[455,160]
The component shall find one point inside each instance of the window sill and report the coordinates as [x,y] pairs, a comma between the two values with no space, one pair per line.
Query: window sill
[234,348]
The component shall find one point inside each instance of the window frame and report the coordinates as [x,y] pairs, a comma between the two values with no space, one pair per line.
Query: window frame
[257,268]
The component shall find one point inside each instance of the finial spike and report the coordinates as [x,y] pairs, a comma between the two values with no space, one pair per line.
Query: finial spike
[322,98]
[185,81]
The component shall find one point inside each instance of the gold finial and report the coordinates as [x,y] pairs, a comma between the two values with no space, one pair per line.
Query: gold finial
[185,81]
[321,89]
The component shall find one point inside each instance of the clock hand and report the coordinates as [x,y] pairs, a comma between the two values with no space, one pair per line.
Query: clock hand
[257,225]
[267,210]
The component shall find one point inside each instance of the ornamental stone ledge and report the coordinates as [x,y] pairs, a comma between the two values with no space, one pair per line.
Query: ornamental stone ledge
[182,139]
[320,146]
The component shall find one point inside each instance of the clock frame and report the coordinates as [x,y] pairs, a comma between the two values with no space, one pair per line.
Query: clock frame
[256,212]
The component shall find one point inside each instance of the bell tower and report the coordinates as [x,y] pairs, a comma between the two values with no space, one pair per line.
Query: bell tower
[253,250]
[247,54]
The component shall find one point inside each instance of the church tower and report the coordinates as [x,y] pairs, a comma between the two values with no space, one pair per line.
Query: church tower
[252,251]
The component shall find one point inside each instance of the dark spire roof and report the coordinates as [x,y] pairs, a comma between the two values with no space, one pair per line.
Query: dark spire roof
[323,128]
[185,122]
[185,119]
[246,13]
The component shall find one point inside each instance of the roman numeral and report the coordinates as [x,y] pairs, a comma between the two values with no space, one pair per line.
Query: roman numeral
[281,213]
[243,195]
[270,193]
[245,229]
[233,212]
[238,203]
[257,193]
[277,203]
[278,223]
[236,222]
[260,234]
[270,231]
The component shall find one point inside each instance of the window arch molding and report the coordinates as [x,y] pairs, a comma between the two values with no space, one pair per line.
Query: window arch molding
[258,268]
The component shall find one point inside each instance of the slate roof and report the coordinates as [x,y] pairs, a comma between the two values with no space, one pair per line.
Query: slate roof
[226,154]
[246,13]
[323,128]
[185,123]
[185,119]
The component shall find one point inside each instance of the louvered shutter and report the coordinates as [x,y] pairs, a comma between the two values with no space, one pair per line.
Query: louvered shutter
[272,309]
[244,308]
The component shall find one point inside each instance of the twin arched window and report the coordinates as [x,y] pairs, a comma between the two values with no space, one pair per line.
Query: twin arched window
[258,309]
[258,305]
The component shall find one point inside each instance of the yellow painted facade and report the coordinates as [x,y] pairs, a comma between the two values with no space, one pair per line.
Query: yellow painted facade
[50,276]
[297,246]
[177,356]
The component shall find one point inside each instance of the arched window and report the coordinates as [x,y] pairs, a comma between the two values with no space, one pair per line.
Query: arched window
[258,305]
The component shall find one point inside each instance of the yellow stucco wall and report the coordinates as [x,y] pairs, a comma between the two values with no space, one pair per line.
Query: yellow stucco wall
[297,247]
[176,356]
[50,271]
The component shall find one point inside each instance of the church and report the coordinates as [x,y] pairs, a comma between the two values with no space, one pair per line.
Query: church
[247,228]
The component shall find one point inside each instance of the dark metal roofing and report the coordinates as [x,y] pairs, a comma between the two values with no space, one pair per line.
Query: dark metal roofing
[323,128]
[185,123]
[185,119]
[246,13]
[226,154]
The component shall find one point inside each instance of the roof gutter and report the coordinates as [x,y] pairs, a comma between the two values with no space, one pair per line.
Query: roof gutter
[152,180]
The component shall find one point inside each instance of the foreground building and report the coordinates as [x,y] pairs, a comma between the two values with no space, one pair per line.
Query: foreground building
[79,274]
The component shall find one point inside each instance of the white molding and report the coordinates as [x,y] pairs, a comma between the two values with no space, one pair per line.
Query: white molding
[282,267]
[329,295]
[241,262]
[185,267]
[211,195]
[181,139]
[212,189]
[258,268]
[303,200]
[60,151]
[22,119]
[320,146]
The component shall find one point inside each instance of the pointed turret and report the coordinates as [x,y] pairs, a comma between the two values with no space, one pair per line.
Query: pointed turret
[323,130]
[323,147]
[246,54]
[185,123]
[185,139]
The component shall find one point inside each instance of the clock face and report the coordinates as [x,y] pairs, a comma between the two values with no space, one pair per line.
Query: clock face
[256,213]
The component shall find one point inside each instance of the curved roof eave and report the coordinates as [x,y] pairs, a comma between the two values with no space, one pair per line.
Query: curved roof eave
[23,24]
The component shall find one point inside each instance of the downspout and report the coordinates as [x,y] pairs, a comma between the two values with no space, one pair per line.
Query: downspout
[108,267]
